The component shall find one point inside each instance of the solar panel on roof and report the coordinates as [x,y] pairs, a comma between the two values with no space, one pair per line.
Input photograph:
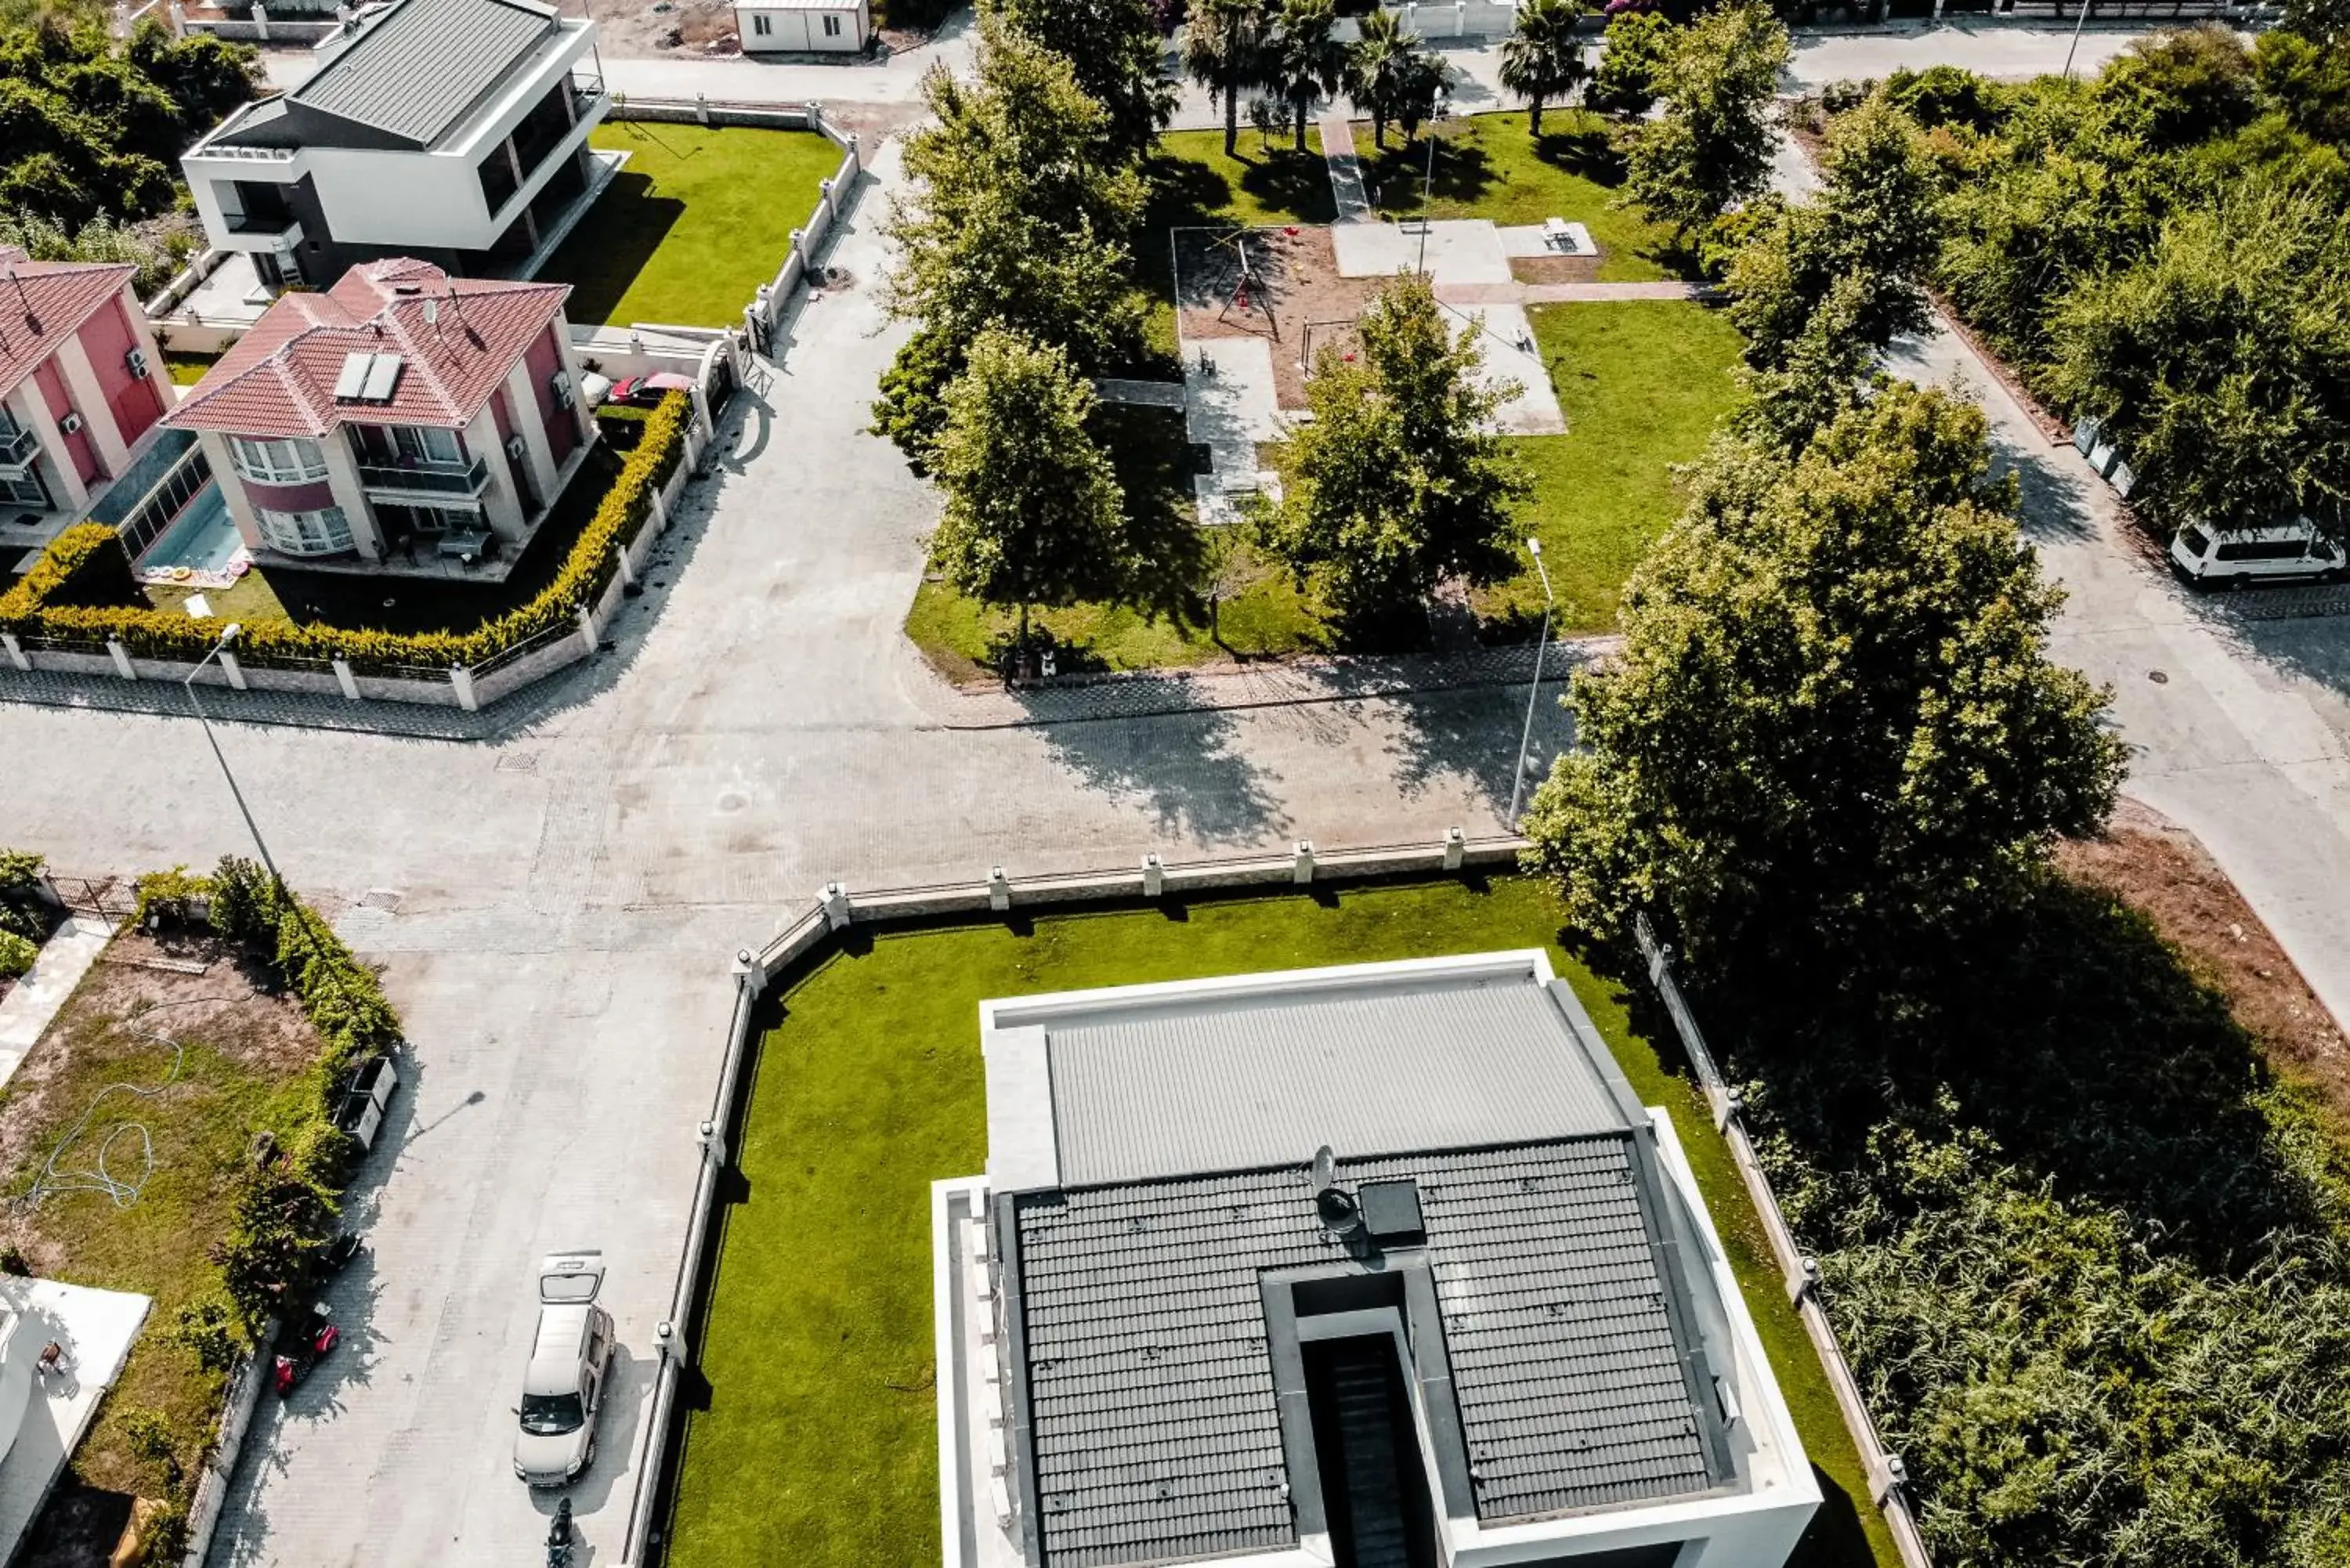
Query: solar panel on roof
[354,376]
[382,376]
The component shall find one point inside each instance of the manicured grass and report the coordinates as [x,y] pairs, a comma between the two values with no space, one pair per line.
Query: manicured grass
[1642,383]
[1487,166]
[243,1071]
[358,599]
[1262,614]
[695,221]
[818,1446]
[187,369]
[1193,182]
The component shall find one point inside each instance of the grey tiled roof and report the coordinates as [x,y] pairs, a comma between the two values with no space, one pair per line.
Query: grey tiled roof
[416,70]
[1150,1382]
[1235,1084]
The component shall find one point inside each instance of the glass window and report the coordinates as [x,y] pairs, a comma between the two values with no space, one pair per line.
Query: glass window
[763,25]
[322,532]
[832,26]
[278,461]
[552,1414]
[2196,541]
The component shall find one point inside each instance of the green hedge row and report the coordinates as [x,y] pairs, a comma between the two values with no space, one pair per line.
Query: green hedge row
[66,594]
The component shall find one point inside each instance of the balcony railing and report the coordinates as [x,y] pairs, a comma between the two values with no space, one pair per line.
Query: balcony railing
[440,479]
[262,222]
[587,92]
[18,449]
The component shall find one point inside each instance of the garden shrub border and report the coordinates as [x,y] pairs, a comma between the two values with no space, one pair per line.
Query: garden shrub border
[86,558]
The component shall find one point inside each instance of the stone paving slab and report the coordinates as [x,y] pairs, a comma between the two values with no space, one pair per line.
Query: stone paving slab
[1354,204]
[1233,398]
[1458,251]
[1144,394]
[1532,240]
[1224,688]
[1506,340]
[1516,293]
[34,999]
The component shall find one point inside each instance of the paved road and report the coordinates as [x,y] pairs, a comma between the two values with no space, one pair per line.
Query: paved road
[568,898]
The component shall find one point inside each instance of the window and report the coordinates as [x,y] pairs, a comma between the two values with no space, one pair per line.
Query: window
[2196,540]
[278,461]
[322,532]
[832,26]
[426,444]
[763,25]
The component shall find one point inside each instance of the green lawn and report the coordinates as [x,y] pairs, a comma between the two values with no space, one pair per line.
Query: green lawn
[818,1444]
[370,601]
[1192,182]
[1262,614]
[187,369]
[1642,383]
[1487,166]
[694,223]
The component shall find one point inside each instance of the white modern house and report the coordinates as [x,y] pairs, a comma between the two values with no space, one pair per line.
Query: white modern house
[803,26]
[1380,1266]
[453,131]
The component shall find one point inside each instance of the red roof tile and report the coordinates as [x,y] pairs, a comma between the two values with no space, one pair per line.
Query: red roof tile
[279,379]
[42,304]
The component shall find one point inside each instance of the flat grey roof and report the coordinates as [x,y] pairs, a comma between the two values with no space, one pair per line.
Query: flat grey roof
[1183,1086]
[415,71]
[1149,1378]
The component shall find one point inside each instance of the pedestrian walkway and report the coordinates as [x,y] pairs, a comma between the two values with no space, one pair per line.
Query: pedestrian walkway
[1345,170]
[1566,292]
[65,957]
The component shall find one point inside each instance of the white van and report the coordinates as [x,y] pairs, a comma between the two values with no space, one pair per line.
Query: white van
[2238,557]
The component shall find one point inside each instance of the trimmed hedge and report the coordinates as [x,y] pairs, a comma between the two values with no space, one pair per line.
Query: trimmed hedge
[56,598]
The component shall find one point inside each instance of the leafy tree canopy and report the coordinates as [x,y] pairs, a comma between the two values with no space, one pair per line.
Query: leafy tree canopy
[1625,81]
[2183,85]
[1305,63]
[1389,76]
[1542,60]
[1396,482]
[1113,50]
[1712,147]
[1228,50]
[1834,727]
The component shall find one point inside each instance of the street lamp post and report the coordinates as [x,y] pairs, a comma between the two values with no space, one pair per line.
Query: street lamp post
[2078,20]
[1427,181]
[1533,688]
[189,685]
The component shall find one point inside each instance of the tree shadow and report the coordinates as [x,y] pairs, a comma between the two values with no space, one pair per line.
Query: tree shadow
[600,260]
[1587,151]
[1190,774]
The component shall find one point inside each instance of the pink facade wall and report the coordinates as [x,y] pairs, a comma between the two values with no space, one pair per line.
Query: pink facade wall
[543,358]
[136,404]
[52,383]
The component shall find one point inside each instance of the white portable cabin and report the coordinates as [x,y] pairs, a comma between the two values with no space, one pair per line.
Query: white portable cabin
[803,26]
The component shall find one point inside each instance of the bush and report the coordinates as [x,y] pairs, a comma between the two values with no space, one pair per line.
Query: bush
[1945,95]
[17,955]
[67,593]
[24,912]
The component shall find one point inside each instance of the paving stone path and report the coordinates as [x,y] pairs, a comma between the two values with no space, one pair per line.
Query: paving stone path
[1345,170]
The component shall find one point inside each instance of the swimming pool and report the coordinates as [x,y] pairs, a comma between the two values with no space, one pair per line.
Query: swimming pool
[202,541]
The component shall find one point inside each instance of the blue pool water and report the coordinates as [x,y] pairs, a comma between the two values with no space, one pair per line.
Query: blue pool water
[204,538]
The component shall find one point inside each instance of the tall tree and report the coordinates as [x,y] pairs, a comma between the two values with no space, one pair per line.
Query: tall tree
[1834,728]
[1115,50]
[1712,147]
[1306,64]
[1386,72]
[1225,44]
[1625,81]
[1397,482]
[2217,362]
[1541,60]
[1033,515]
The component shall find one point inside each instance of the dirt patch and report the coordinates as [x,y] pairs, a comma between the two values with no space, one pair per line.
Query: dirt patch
[1281,284]
[2164,871]
[1555,269]
[632,28]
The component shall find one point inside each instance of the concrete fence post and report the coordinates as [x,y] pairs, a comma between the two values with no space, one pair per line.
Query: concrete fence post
[999,890]
[230,670]
[799,247]
[179,20]
[1301,867]
[587,627]
[1456,848]
[1154,876]
[15,650]
[461,681]
[701,106]
[121,657]
[835,901]
[346,679]
[261,23]
[749,973]
[620,550]
[660,525]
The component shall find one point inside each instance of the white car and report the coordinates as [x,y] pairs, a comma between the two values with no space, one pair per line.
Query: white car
[563,1387]
[2238,557]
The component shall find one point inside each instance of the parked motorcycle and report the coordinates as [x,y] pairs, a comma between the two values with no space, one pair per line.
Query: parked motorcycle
[558,1537]
[304,1348]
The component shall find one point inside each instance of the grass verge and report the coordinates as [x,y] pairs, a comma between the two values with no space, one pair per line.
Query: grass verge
[817,1343]
[694,223]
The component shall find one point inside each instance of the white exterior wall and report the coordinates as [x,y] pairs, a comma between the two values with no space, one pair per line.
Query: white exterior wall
[800,30]
[428,199]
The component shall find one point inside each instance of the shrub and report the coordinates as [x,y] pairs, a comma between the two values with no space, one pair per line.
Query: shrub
[22,908]
[1945,95]
[17,955]
[75,591]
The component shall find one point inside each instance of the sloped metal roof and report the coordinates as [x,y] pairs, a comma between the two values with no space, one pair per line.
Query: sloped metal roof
[1227,1084]
[1150,1382]
[416,70]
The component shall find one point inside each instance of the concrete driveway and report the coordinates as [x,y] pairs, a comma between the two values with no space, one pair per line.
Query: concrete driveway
[568,898]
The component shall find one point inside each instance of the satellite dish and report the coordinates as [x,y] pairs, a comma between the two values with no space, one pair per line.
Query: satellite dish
[1325,1167]
[1332,1203]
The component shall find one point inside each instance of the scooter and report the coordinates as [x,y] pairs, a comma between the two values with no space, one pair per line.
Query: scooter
[314,1341]
[558,1537]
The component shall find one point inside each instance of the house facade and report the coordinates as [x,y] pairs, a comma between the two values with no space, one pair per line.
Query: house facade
[81,384]
[401,414]
[1486,1324]
[803,26]
[452,131]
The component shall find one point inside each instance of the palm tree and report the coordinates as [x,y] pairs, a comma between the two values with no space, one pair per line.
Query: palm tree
[1305,62]
[1224,51]
[1543,59]
[1384,70]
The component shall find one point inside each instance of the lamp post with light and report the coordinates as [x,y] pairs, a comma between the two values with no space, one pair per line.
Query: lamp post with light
[1534,689]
